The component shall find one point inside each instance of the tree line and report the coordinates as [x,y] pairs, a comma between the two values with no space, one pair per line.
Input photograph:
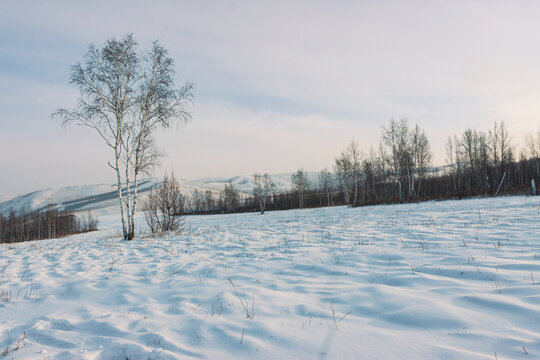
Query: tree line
[398,170]
[46,224]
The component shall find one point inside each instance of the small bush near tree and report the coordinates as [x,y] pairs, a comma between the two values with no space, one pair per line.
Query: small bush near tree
[165,206]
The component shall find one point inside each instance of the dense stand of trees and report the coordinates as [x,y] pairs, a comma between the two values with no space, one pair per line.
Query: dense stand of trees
[479,163]
[47,224]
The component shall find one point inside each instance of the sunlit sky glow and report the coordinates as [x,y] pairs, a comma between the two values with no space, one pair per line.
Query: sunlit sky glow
[279,84]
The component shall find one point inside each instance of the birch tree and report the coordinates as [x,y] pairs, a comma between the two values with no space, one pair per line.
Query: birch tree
[343,171]
[263,187]
[421,158]
[300,184]
[209,202]
[532,143]
[230,196]
[500,147]
[326,183]
[355,155]
[348,168]
[454,158]
[396,138]
[125,96]
[501,152]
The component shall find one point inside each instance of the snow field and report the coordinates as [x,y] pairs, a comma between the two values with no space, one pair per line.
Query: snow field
[435,280]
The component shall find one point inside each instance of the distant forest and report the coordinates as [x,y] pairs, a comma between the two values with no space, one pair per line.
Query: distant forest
[399,170]
[46,224]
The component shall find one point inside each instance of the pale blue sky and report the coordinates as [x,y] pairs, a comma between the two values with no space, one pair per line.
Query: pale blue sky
[279,84]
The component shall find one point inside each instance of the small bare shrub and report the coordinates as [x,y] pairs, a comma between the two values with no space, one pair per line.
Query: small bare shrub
[165,206]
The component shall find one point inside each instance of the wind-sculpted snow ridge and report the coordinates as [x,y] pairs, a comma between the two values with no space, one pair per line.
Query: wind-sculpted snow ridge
[436,280]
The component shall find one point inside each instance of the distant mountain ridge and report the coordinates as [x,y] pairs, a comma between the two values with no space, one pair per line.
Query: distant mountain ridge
[102,198]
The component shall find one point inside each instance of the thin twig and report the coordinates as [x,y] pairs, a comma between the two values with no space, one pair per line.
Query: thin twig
[333,314]
[253,305]
[171,274]
[343,317]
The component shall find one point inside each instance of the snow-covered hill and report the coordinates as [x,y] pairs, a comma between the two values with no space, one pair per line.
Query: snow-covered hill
[102,198]
[244,183]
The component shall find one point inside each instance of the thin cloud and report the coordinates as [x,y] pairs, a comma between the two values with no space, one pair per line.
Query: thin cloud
[316,73]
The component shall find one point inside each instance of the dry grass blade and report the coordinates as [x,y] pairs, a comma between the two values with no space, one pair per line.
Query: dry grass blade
[333,314]
[344,316]
[248,314]
[171,274]
[21,281]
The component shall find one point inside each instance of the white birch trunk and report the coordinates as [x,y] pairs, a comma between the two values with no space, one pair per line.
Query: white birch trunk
[328,197]
[500,184]
[128,201]
[413,184]
[355,192]
[134,207]
[400,191]
[120,195]
[262,205]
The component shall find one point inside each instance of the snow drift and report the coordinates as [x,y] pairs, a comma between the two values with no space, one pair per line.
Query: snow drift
[435,280]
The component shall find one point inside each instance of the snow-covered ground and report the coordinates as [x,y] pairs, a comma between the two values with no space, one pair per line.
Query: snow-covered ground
[436,280]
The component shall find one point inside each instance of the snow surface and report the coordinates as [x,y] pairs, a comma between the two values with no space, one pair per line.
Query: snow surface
[436,280]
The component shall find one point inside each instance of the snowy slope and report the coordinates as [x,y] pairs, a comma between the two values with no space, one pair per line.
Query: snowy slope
[74,198]
[435,280]
[102,198]
[244,183]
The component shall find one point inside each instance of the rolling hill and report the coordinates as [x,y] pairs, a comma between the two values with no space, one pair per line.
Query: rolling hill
[102,198]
